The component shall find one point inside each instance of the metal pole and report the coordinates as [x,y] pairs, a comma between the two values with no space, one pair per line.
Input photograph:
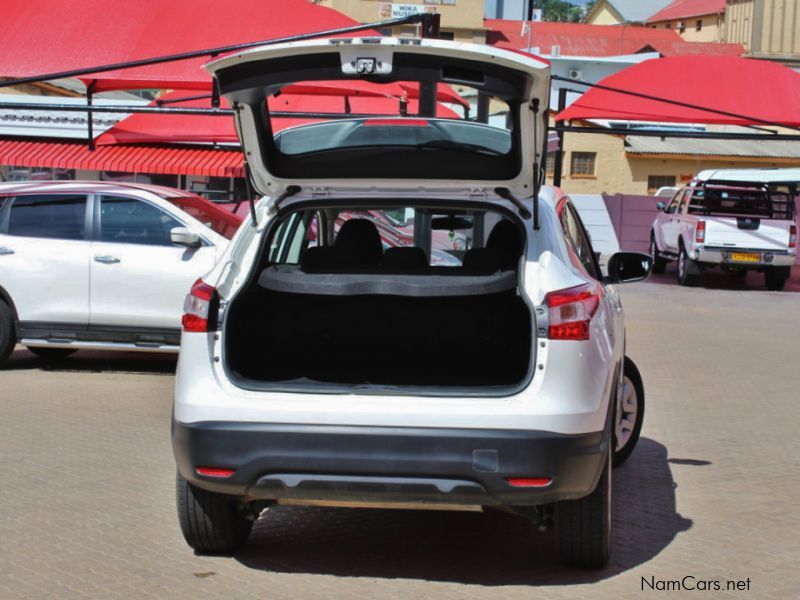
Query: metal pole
[483,108]
[558,167]
[427,89]
[89,120]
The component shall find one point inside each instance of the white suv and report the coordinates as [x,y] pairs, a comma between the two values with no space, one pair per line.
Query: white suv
[328,360]
[738,221]
[101,265]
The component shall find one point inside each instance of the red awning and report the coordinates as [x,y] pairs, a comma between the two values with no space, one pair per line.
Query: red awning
[149,128]
[128,159]
[754,89]
[53,35]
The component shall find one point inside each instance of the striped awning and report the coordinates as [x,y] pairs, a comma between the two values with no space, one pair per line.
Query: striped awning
[214,162]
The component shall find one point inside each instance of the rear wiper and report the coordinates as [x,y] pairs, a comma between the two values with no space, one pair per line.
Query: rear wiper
[451,145]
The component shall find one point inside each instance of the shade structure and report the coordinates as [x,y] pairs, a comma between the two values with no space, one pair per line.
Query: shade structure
[155,128]
[53,35]
[213,162]
[751,91]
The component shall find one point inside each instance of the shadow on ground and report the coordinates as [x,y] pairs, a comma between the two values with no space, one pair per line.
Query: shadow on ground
[715,279]
[486,549]
[91,361]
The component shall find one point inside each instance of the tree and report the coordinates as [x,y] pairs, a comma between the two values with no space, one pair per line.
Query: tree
[561,11]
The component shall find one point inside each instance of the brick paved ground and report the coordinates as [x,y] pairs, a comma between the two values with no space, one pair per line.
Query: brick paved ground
[711,491]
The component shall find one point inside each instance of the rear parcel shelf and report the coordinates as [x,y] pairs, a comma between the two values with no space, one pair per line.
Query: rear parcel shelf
[434,282]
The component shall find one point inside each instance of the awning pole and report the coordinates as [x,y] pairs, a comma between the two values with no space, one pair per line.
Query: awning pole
[558,167]
[89,120]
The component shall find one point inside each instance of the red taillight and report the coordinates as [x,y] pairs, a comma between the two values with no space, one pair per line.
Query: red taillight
[793,236]
[529,481]
[198,306]
[571,310]
[214,472]
[700,232]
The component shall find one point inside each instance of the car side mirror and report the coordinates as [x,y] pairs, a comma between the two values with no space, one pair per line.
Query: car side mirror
[181,236]
[661,206]
[625,267]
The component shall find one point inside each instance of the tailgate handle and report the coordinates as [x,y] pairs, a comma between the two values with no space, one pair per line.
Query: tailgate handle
[106,259]
[748,223]
[5,251]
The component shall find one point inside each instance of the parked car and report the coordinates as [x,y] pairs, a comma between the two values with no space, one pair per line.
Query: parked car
[345,374]
[101,265]
[721,221]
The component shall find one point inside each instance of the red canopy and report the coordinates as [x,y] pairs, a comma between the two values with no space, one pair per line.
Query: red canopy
[53,35]
[754,89]
[150,128]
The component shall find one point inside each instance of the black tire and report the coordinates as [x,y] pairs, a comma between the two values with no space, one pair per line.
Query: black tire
[211,523]
[684,277]
[8,336]
[51,353]
[583,527]
[774,282]
[631,377]
[659,263]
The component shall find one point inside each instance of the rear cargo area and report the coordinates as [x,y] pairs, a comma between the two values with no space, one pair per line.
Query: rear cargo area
[379,339]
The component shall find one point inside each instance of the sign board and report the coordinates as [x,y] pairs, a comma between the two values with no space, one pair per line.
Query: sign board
[390,10]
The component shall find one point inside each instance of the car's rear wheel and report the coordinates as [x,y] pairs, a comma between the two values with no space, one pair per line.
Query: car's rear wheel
[629,414]
[583,526]
[51,353]
[211,523]
[774,281]
[659,263]
[8,338]
[684,262]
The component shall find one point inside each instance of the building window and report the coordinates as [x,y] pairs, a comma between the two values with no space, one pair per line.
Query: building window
[448,1]
[699,25]
[658,181]
[550,165]
[681,27]
[667,25]
[582,164]
[447,35]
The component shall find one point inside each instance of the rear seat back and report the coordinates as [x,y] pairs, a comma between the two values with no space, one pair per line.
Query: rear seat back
[405,257]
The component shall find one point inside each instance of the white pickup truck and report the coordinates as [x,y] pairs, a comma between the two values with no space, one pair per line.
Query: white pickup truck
[734,220]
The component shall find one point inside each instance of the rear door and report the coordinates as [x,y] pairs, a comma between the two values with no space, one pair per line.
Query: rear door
[139,278]
[44,257]
[671,221]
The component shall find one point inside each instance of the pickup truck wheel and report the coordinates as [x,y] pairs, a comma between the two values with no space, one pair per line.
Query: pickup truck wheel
[51,353]
[774,282]
[211,523]
[659,263]
[629,414]
[583,526]
[684,277]
[8,339]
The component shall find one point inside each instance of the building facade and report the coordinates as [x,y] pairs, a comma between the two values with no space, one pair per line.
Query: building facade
[768,29]
[694,20]
[462,20]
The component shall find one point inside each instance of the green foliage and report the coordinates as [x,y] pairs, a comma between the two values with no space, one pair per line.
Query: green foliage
[560,10]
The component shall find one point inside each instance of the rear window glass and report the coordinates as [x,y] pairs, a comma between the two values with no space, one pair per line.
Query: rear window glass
[742,202]
[385,115]
[50,216]
[430,237]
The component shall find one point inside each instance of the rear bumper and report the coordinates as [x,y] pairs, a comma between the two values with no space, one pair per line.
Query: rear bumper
[724,257]
[389,464]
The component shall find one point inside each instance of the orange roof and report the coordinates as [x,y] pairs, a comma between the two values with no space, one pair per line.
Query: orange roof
[683,9]
[578,39]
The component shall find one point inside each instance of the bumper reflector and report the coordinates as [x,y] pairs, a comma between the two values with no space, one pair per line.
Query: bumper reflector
[529,481]
[214,472]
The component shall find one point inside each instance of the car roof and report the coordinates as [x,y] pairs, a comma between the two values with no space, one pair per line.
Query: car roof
[89,187]
[751,175]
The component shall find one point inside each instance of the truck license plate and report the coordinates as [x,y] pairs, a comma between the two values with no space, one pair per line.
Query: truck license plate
[745,256]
